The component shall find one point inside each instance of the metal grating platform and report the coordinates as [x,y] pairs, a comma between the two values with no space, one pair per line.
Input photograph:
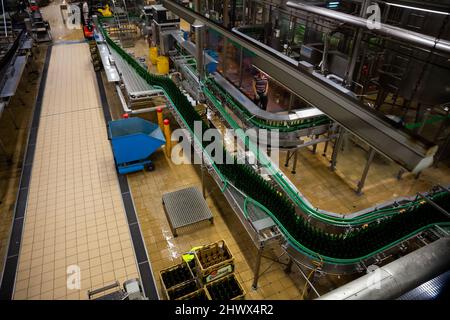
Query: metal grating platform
[185,207]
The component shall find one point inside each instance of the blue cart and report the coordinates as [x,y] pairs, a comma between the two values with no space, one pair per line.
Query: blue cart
[133,141]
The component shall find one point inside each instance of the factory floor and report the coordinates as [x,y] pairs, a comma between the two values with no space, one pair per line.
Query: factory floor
[165,250]
[333,191]
[71,128]
[336,191]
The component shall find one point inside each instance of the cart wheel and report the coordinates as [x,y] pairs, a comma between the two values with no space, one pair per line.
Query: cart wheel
[150,167]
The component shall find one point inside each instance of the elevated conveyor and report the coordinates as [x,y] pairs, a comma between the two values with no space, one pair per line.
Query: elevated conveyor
[400,146]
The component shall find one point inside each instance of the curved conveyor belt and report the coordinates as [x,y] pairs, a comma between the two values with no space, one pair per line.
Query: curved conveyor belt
[399,223]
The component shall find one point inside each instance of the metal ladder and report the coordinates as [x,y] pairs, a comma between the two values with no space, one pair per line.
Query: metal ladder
[125,28]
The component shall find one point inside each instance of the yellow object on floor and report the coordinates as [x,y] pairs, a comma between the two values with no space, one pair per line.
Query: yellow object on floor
[163,65]
[106,12]
[189,256]
[153,55]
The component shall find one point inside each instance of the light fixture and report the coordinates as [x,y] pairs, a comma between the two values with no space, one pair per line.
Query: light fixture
[417,8]
[333,4]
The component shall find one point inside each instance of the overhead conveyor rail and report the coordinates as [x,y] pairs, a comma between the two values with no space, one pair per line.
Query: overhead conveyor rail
[385,229]
[296,120]
[218,89]
[400,146]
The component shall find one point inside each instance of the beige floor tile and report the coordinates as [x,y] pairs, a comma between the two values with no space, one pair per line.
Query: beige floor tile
[75,211]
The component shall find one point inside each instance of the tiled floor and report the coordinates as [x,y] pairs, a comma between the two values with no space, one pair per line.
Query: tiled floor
[75,214]
[165,250]
[335,191]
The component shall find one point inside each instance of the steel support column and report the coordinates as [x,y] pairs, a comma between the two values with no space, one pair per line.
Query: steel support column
[200,45]
[294,165]
[356,46]
[202,168]
[225,14]
[316,137]
[257,267]
[365,172]
[337,146]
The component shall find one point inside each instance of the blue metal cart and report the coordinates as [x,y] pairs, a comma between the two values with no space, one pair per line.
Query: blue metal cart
[133,141]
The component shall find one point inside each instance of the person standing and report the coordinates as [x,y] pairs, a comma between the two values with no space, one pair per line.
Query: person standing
[260,89]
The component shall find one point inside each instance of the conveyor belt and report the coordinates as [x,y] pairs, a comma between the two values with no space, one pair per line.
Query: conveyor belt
[133,83]
[111,72]
[394,224]
[258,112]
[219,89]
[134,92]
[14,76]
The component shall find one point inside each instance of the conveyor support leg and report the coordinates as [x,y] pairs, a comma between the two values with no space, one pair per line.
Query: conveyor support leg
[365,172]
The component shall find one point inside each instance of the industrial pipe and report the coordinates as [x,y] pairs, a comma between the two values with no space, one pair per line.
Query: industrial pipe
[384,29]
[200,45]
[398,277]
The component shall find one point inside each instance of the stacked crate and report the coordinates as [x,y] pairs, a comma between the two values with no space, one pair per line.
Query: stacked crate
[209,276]
[178,281]
[225,288]
[213,261]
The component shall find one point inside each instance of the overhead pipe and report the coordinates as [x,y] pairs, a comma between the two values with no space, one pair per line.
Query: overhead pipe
[399,276]
[200,46]
[384,29]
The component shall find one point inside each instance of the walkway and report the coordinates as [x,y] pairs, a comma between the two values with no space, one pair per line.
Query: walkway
[75,213]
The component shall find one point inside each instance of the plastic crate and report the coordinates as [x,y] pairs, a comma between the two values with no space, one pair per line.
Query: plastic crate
[175,276]
[199,295]
[228,285]
[213,261]
[182,290]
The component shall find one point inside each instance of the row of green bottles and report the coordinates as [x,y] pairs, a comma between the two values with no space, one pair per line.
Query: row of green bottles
[198,296]
[176,276]
[225,289]
[182,291]
[359,242]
